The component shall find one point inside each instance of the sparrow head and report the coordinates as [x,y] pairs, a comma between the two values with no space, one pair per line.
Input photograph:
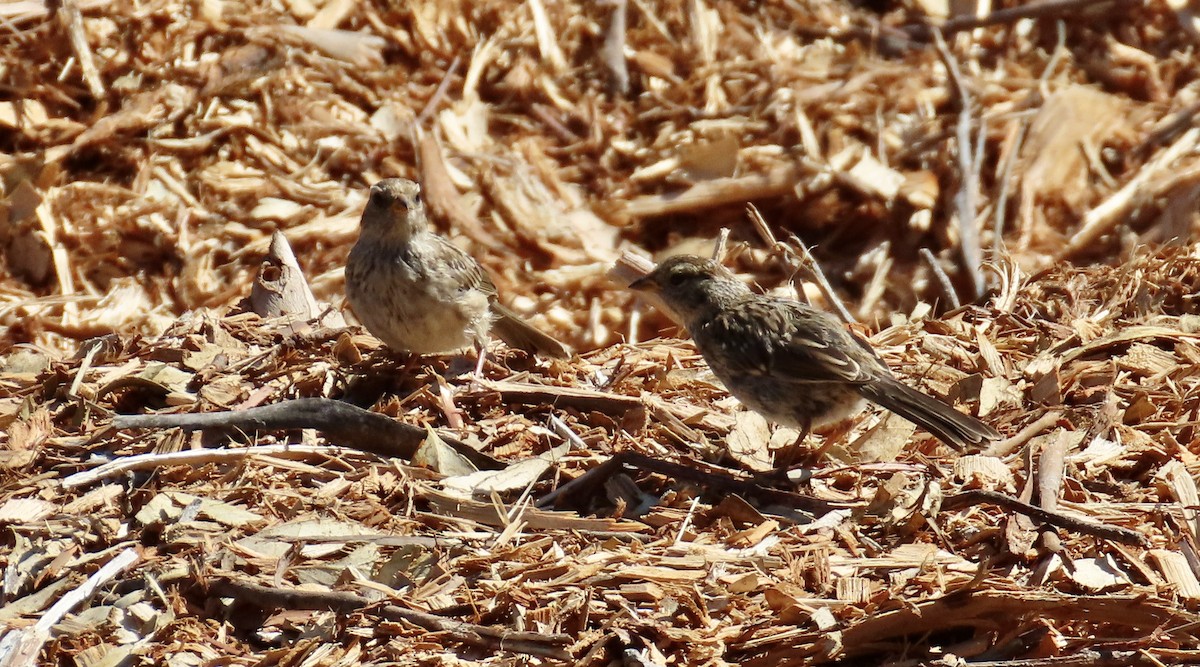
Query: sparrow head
[691,286]
[394,208]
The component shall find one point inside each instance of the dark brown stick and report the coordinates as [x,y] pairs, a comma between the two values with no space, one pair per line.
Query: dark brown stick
[1114,533]
[266,597]
[711,483]
[346,424]
[1014,14]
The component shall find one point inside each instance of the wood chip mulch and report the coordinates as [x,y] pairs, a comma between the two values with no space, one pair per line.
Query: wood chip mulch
[292,545]
[185,482]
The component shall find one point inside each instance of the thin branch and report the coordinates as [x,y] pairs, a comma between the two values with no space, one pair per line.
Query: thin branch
[527,393]
[22,647]
[1010,162]
[714,484]
[1014,14]
[796,263]
[1006,447]
[710,194]
[782,252]
[761,226]
[1154,178]
[488,637]
[1067,522]
[1060,48]
[942,278]
[823,282]
[1167,129]
[436,99]
[972,256]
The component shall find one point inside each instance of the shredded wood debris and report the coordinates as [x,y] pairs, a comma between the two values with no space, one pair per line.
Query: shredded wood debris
[1071,530]
[205,459]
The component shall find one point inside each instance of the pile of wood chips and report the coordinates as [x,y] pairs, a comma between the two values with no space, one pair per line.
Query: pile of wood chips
[187,482]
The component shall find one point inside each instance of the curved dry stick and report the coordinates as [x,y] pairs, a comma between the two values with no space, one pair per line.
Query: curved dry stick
[342,423]
[588,484]
[266,597]
[1074,524]
[1033,10]
[965,199]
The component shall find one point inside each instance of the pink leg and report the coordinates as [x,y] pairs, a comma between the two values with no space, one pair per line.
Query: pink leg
[482,351]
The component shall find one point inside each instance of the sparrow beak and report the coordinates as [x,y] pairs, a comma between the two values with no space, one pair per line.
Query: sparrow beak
[646,283]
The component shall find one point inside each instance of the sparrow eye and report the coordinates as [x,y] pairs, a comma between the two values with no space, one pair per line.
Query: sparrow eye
[677,279]
[417,199]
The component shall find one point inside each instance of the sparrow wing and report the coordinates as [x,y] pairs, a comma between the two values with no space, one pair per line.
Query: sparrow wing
[509,326]
[785,339]
[452,261]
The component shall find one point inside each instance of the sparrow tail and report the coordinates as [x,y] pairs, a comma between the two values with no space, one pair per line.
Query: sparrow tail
[518,333]
[957,429]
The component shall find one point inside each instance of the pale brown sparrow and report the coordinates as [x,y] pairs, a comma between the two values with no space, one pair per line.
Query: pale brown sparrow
[417,292]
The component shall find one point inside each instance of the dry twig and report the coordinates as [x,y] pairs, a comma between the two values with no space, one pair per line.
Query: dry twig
[1114,533]
[968,224]
[492,638]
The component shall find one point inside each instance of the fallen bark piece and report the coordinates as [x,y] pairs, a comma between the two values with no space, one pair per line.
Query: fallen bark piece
[341,422]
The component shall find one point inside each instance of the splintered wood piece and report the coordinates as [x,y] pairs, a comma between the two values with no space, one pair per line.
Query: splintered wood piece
[717,192]
[584,399]
[281,290]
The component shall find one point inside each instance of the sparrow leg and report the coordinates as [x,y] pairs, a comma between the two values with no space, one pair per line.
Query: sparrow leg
[785,458]
[482,351]
[461,363]
[445,395]
[787,455]
[830,436]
